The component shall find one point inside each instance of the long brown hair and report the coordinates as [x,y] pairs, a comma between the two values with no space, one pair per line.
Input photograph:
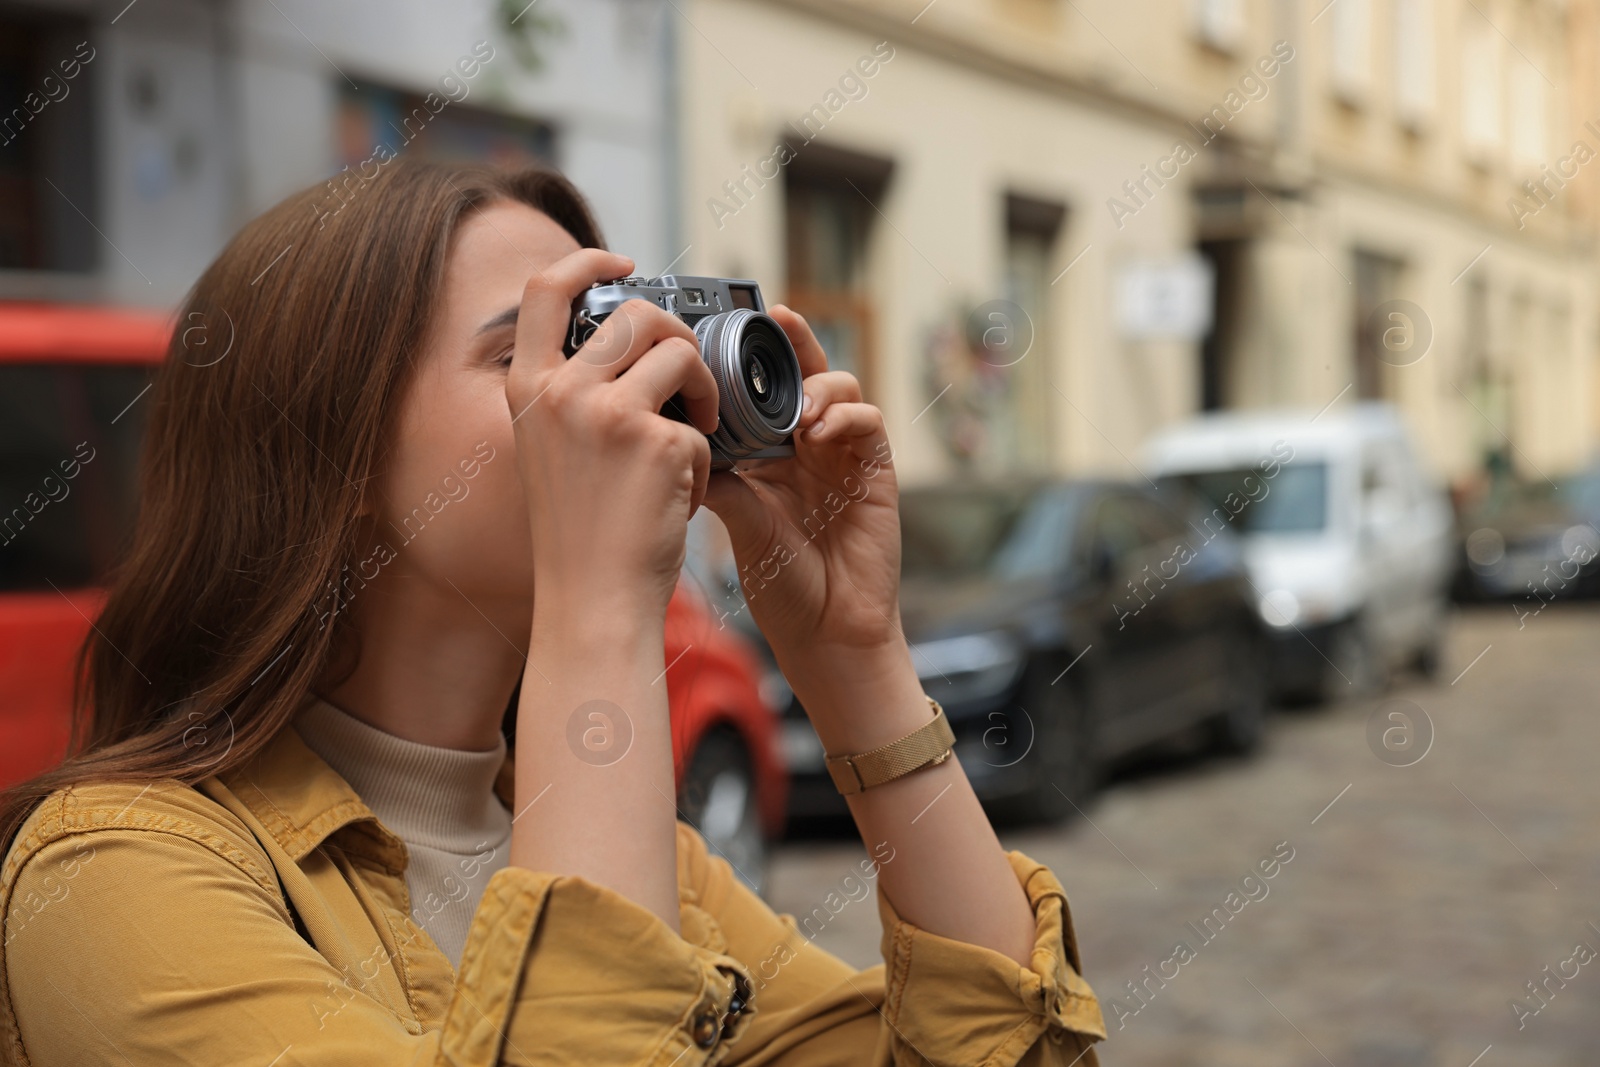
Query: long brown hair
[254,469]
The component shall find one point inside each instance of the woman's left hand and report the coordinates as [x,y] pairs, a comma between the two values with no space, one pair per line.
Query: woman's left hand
[817,537]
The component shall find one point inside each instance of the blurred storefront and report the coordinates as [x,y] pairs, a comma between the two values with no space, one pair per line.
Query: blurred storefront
[136,137]
[1184,205]
[1038,231]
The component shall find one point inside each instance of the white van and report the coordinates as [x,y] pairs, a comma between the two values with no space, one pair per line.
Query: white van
[1347,541]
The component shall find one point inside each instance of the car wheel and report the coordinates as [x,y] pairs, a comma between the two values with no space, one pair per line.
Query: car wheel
[1357,670]
[718,798]
[1430,657]
[1238,729]
[1068,773]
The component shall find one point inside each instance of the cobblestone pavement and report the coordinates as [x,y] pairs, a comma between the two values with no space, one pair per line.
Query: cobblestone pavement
[1419,902]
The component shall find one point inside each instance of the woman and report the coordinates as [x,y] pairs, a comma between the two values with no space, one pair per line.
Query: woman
[391,538]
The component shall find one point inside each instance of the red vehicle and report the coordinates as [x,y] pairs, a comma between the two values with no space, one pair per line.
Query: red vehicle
[733,784]
[72,386]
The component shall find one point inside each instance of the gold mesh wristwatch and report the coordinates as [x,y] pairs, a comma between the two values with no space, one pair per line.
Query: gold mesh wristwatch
[927,746]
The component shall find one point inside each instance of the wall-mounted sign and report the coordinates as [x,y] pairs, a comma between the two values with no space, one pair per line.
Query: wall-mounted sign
[1167,299]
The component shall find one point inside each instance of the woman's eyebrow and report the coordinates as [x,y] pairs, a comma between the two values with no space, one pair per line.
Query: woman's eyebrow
[508,317]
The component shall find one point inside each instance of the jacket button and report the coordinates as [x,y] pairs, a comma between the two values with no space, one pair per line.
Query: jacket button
[737,1005]
[706,1030]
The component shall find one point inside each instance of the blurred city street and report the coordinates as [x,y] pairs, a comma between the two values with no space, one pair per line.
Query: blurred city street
[1414,909]
[1239,362]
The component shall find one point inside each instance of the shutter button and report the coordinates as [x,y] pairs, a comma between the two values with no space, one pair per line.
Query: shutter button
[706,1030]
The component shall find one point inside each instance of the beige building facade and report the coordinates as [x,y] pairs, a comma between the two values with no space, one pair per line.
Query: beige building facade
[1040,230]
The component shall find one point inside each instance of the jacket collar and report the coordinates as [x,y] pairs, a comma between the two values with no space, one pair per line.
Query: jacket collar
[302,801]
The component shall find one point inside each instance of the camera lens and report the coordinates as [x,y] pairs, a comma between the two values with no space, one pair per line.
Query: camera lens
[766,386]
[758,380]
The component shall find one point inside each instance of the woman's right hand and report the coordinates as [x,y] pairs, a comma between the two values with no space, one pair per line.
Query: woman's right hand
[610,483]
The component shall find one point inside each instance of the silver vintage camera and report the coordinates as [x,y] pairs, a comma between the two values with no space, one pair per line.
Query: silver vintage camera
[754,365]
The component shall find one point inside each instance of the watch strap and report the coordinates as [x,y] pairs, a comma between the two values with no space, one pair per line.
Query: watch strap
[927,746]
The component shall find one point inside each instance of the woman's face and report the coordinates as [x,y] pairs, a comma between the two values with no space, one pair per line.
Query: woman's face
[450,504]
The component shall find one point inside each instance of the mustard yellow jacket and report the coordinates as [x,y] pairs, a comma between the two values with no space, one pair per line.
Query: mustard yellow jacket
[261,919]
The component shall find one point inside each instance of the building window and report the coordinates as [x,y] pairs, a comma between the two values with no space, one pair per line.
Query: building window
[1377,282]
[60,528]
[1032,229]
[986,370]
[829,196]
[47,160]
[1228,258]
[1480,91]
[1485,384]
[372,115]
[1413,62]
[1525,86]
[1219,23]
[1350,23]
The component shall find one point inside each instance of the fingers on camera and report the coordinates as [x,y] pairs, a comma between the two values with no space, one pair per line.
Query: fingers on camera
[546,308]
[628,333]
[826,389]
[673,367]
[859,425]
[813,360]
[702,472]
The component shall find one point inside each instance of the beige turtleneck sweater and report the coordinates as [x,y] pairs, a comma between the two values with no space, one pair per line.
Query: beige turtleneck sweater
[439,801]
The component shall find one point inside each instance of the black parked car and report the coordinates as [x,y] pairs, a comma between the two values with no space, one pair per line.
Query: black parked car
[1062,626]
[1531,541]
